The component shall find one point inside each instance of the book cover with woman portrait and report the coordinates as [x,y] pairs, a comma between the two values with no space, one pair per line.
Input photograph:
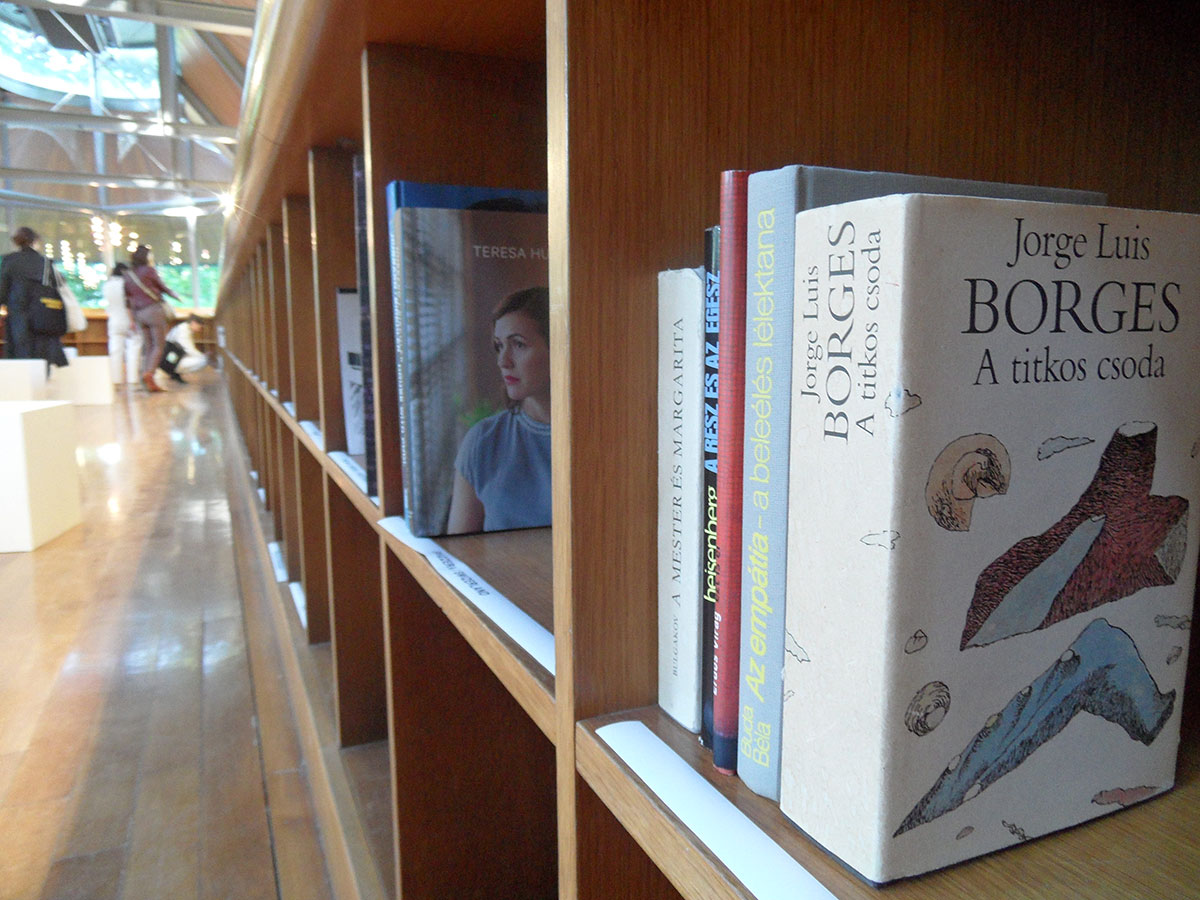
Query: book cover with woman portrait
[470,268]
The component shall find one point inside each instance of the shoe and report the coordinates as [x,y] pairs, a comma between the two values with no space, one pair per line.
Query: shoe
[151,385]
[175,376]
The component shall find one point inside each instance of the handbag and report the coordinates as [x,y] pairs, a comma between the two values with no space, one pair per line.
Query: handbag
[167,308]
[76,320]
[44,306]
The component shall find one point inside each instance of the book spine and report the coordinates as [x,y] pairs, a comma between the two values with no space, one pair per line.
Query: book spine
[731,416]
[843,533]
[363,257]
[708,533]
[771,202]
[680,424]
[403,358]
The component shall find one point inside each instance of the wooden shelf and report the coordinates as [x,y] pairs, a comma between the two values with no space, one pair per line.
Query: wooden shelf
[626,113]
[1118,856]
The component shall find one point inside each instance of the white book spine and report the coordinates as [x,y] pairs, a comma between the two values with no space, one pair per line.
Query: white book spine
[680,429]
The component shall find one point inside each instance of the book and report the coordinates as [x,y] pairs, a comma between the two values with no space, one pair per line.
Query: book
[727,613]
[350,357]
[773,199]
[363,259]
[994,483]
[470,275]
[680,478]
[708,534]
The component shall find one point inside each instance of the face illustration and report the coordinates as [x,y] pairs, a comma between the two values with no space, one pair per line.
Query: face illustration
[523,356]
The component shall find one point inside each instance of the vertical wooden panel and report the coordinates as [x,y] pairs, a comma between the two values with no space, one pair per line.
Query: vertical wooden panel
[331,189]
[313,545]
[492,113]
[356,622]
[302,315]
[289,504]
[279,350]
[473,775]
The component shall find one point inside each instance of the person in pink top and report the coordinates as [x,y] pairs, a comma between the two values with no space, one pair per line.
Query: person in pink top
[144,291]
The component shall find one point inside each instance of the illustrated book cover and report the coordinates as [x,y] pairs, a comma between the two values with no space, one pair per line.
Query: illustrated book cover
[994,484]
[680,474]
[470,275]
[774,197]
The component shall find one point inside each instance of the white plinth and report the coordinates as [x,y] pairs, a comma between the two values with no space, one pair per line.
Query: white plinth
[87,381]
[39,492]
[22,379]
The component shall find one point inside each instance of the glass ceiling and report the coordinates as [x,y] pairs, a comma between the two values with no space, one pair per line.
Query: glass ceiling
[126,68]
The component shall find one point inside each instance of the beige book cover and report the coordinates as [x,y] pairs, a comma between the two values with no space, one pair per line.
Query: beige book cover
[993,526]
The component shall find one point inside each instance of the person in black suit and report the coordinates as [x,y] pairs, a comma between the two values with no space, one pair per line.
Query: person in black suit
[17,270]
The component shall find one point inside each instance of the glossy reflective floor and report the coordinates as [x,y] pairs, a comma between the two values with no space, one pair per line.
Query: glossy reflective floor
[146,748]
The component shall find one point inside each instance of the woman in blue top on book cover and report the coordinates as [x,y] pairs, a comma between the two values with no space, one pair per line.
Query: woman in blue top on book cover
[502,472]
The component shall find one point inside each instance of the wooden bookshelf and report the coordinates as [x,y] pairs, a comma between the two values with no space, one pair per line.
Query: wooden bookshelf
[626,112]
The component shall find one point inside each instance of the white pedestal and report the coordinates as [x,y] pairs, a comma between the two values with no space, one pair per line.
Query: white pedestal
[87,381]
[22,379]
[39,489]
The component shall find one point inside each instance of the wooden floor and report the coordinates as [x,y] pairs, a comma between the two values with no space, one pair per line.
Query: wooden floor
[147,748]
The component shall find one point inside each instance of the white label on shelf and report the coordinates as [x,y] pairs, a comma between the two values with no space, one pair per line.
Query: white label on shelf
[290,407]
[764,867]
[275,549]
[314,431]
[356,472]
[509,618]
[300,601]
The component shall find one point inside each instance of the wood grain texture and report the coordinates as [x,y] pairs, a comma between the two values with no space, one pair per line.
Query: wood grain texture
[356,623]
[492,112]
[302,325]
[529,684]
[331,202]
[289,477]
[314,538]
[474,778]
[280,375]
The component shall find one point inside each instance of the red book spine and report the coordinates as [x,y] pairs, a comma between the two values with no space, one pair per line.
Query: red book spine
[731,416]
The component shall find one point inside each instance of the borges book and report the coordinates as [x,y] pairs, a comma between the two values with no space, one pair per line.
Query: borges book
[995,484]
[773,199]
[470,272]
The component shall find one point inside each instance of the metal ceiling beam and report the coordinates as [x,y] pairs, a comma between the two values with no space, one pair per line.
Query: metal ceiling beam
[224,56]
[177,13]
[38,118]
[95,179]
[33,201]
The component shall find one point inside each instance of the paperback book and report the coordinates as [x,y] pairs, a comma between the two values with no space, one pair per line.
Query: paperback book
[470,274]
[727,615]
[995,481]
[773,199]
[680,475]
[363,259]
[708,533]
[350,356]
